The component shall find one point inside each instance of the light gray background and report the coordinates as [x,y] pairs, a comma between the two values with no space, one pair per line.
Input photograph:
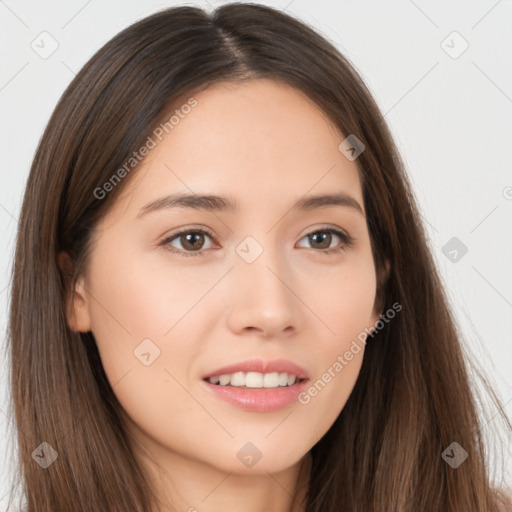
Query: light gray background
[451,118]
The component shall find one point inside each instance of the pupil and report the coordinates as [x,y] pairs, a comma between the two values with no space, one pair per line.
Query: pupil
[323,237]
[192,235]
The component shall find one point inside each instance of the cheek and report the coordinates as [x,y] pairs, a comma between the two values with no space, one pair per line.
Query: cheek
[343,300]
[149,330]
[347,312]
[339,362]
[145,330]
[326,395]
[132,300]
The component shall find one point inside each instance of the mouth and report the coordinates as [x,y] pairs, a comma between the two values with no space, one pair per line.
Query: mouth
[255,380]
[257,385]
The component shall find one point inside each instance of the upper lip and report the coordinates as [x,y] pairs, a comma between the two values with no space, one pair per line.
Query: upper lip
[261,366]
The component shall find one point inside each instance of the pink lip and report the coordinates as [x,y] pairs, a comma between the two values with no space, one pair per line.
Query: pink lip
[258,365]
[260,399]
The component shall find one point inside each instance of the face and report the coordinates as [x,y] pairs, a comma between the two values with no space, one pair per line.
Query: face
[173,294]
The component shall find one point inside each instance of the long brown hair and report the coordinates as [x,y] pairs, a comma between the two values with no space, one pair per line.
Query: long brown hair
[414,395]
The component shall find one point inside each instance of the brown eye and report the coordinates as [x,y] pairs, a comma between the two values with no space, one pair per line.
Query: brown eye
[191,241]
[323,238]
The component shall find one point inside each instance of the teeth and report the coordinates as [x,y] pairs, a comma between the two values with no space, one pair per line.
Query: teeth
[254,379]
[224,379]
[237,379]
[271,380]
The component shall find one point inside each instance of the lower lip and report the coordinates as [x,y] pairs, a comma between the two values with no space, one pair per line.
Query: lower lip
[258,399]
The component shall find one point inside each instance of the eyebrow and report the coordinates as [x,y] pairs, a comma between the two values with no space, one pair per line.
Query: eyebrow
[214,203]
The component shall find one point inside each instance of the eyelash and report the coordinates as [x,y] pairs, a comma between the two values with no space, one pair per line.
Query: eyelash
[347,241]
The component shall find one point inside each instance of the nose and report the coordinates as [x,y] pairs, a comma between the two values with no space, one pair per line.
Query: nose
[263,298]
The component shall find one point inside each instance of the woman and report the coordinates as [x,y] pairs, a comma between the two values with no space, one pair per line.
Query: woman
[189,347]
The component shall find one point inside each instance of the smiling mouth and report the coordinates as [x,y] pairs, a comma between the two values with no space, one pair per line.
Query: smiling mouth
[255,380]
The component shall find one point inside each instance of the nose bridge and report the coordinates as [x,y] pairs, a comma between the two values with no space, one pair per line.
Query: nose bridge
[260,265]
[262,298]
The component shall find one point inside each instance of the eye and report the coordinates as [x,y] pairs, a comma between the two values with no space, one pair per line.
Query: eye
[323,238]
[192,241]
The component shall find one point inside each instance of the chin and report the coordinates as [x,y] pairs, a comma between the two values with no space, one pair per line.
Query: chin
[259,457]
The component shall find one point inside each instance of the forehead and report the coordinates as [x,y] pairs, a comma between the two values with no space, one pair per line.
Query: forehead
[257,141]
[245,119]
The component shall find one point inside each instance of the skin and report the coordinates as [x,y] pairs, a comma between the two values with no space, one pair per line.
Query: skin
[266,145]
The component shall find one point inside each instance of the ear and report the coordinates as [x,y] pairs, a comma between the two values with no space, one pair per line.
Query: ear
[382,278]
[77,300]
